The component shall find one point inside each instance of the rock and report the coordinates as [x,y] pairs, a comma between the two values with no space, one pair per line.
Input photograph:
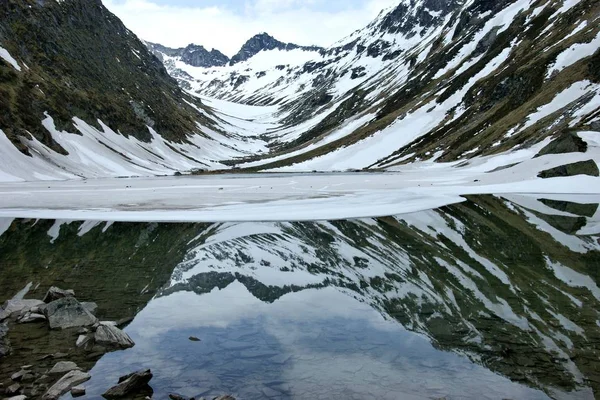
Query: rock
[14,306]
[130,384]
[65,384]
[111,336]
[55,293]
[18,375]
[21,397]
[174,396]
[31,317]
[83,340]
[588,167]
[62,367]
[194,339]
[78,391]
[225,397]
[13,389]
[4,343]
[68,313]
[567,142]
[90,306]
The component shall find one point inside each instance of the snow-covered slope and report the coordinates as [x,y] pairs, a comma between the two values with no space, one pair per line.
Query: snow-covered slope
[425,80]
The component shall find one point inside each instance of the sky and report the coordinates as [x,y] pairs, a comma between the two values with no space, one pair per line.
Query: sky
[227,24]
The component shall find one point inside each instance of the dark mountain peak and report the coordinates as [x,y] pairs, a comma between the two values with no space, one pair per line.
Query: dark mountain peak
[264,41]
[193,54]
[198,56]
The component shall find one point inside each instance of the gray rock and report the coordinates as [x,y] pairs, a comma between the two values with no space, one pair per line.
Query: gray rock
[31,317]
[15,307]
[13,389]
[90,306]
[62,367]
[83,340]
[78,391]
[111,336]
[4,342]
[18,375]
[68,313]
[66,383]
[225,397]
[130,384]
[20,397]
[55,293]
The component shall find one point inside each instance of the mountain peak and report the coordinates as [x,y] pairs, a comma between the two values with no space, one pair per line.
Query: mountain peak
[264,41]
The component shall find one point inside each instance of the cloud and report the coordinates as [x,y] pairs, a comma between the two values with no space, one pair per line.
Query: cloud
[225,28]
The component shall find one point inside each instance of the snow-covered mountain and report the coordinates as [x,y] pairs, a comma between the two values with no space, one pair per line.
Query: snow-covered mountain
[427,80]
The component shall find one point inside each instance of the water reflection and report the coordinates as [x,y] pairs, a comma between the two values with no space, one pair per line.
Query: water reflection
[492,298]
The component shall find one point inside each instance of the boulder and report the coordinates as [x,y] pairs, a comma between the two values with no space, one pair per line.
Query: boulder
[55,293]
[83,341]
[588,167]
[78,391]
[111,336]
[62,367]
[68,313]
[20,397]
[66,383]
[130,384]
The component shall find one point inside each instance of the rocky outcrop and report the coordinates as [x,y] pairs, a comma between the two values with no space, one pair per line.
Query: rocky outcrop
[68,313]
[194,55]
[588,167]
[130,384]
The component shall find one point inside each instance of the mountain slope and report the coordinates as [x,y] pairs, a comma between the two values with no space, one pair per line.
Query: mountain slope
[80,95]
[426,80]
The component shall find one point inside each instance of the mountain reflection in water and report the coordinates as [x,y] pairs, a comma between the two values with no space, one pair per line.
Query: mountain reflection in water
[492,298]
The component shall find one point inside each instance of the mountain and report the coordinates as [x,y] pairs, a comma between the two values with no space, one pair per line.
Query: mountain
[194,55]
[426,81]
[439,81]
[264,42]
[81,96]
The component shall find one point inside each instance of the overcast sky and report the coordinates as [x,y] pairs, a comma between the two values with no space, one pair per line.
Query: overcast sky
[227,24]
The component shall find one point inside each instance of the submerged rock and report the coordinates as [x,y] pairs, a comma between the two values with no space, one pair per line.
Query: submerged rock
[134,383]
[68,313]
[78,391]
[65,384]
[111,336]
[63,367]
[55,293]
[4,343]
[90,306]
[13,389]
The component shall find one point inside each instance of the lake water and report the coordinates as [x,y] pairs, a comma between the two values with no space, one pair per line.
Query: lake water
[494,298]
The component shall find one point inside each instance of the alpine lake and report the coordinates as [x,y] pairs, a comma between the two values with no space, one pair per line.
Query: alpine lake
[493,298]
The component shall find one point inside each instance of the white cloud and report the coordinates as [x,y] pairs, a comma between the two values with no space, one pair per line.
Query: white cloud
[298,21]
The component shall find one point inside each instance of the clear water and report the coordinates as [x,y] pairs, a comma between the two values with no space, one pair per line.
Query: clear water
[490,299]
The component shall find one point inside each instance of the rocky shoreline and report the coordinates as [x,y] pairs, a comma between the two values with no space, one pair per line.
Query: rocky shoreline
[80,335]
